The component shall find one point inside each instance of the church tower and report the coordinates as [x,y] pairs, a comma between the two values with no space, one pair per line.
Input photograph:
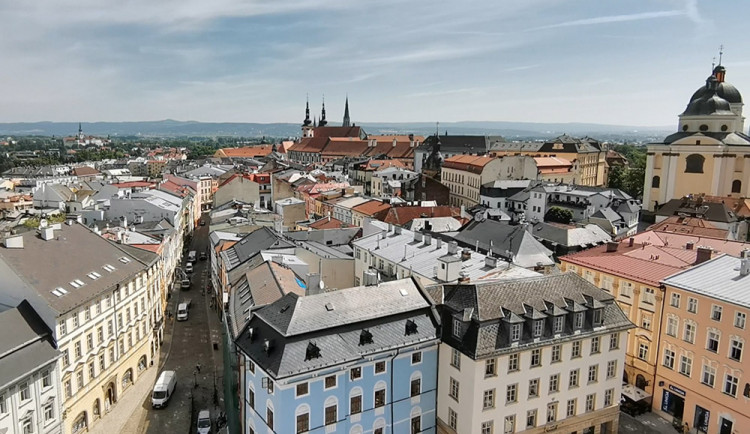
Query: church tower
[307,129]
[323,122]
[347,121]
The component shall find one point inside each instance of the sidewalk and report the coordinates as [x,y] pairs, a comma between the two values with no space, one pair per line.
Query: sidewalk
[647,423]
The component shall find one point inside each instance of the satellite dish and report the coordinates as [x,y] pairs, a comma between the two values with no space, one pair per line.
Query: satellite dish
[43,223]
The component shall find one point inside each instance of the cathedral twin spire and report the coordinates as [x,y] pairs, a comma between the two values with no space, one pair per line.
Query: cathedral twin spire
[322,121]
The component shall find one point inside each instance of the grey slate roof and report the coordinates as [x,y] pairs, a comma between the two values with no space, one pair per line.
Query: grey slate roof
[527,251]
[711,211]
[249,246]
[333,322]
[25,344]
[571,236]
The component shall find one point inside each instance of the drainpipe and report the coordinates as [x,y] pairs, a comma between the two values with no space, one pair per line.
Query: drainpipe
[390,389]
[663,289]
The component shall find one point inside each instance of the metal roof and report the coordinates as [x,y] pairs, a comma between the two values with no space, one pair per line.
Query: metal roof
[718,278]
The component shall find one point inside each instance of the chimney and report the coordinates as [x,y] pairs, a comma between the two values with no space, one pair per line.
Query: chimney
[48,233]
[490,262]
[124,222]
[397,230]
[745,265]
[390,227]
[383,233]
[689,245]
[612,246]
[465,254]
[439,243]
[418,236]
[631,241]
[313,283]
[703,254]
[452,247]
[427,239]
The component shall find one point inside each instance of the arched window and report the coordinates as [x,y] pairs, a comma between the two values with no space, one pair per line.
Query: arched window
[736,186]
[655,182]
[127,378]
[97,409]
[694,163]
[80,423]
[142,363]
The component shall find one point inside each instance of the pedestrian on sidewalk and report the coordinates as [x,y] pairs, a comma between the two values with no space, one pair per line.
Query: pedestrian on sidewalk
[198,367]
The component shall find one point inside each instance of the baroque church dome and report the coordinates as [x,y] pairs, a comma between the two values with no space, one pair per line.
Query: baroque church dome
[724,90]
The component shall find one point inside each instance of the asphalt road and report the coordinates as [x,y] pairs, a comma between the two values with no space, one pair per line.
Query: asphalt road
[191,345]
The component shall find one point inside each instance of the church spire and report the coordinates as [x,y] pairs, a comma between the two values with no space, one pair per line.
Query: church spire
[307,114]
[347,121]
[322,122]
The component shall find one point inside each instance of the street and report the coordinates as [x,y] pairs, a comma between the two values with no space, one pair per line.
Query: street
[191,355]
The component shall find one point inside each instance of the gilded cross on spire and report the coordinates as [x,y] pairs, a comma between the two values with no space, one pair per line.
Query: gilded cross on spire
[721,52]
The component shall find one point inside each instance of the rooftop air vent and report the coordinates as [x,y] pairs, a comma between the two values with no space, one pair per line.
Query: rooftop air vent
[365,337]
[250,333]
[267,346]
[329,307]
[312,351]
[411,327]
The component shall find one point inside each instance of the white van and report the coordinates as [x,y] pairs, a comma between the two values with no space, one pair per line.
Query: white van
[182,311]
[163,389]
[192,256]
[189,267]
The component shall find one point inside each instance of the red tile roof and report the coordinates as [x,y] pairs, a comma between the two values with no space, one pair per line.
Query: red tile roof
[689,226]
[653,256]
[468,163]
[327,223]
[401,215]
[345,146]
[372,208]
[85,171]
[245,152]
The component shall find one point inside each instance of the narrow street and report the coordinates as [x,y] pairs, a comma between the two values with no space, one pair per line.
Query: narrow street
[191,353]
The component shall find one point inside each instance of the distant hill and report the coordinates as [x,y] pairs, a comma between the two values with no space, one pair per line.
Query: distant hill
[172,128]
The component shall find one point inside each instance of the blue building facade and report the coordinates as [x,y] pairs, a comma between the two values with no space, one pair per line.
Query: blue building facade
[358,360]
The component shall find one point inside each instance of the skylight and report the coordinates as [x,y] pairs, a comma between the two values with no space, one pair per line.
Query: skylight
[63,290]
[109,268]
[124,260]
[57,292]
[75,284]
[94,275]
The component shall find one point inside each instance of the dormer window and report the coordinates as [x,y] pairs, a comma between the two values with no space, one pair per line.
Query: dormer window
[538,328]
[559,324]
[515,332]
[312,351]
[456,327]
[365,337]
[598,317]
[578,320]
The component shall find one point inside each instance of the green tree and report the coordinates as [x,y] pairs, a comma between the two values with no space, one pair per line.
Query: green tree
[559,215]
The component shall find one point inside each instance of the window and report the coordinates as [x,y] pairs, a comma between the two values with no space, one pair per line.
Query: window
[648,295]
[89,341]
[571,407]
[730,385]
[554,383]
[380,397]
[302,389]
[578,320]
[456,358]
[593,373]
[643,351]
[556,353]
[46,380]
[573,378]
[712,343]
[78,351]
[27,426]
[716,312]
[531,418]
[686,365]
[511,393]
[590,402]
[595,344]
[655,181]
[355,404]
[739,320]
[509,428]
[551,412]
[614,341]
[692,306]
[513,362]
[330,413]
[694,163]
[611,369]
[456,327]
[49,411]
[708,377]
[515,332]
[379,367]
[102,362]
[538,328]
[626,289]
[646,321]
[689,335]
[269,417]
[251,398]
[453,393]
[416,387]
[452,418]
[489,368]
[416,357]
[488,399]
[672,326]
[92,370]
[416,424]
[330,382]
[533,388]
[674,300]
[575,350]
[536,357]
[355,373]
[559,324]
[736,186]
[24,391]
[75,320]
[303,422]
[735,350]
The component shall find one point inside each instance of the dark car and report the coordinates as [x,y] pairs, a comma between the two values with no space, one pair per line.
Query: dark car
[203,256]
[203,223]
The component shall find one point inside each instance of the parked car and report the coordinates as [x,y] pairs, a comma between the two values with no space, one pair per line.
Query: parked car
[163,389]
[189,267]
[185,284]
[182,311]
[203,256]
[203,223]
[204,422]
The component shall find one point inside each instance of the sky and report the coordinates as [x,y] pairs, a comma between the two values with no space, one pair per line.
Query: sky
[632,62]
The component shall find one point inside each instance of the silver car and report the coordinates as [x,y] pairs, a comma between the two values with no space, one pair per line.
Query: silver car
[204,422]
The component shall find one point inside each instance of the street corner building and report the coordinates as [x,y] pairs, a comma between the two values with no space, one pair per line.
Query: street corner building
[532,355]
[355,360]
[101,300]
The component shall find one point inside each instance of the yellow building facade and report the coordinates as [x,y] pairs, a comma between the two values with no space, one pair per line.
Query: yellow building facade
[710,153]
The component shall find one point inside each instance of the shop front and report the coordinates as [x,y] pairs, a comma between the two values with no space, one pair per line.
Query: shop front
[673,403]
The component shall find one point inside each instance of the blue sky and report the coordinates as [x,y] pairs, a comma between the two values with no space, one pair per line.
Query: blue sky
[618,62]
